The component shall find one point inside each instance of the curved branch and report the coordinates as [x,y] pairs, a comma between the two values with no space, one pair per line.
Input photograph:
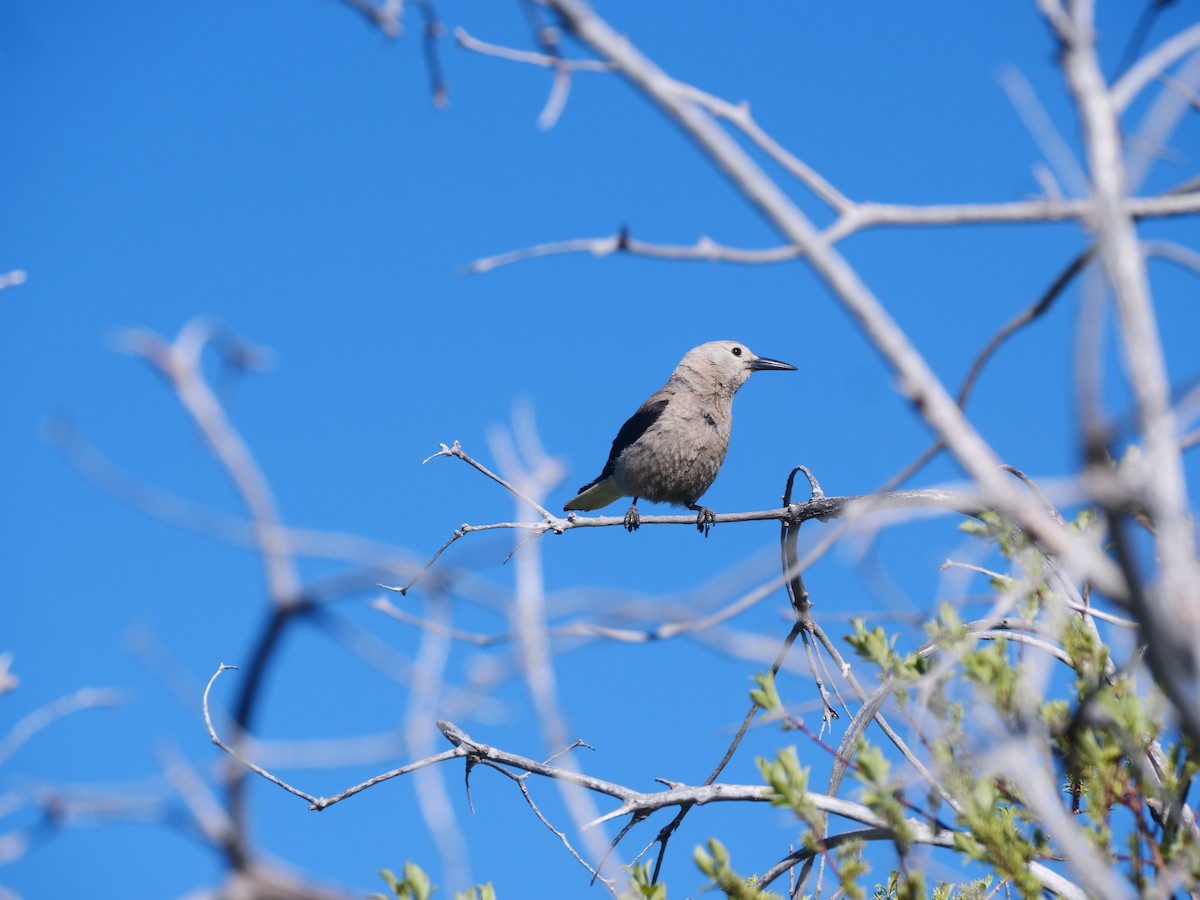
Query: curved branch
[1152,65]
[315,803]
[854,218]
[822,508]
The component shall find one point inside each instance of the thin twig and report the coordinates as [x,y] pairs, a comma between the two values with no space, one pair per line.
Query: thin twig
[521,781]
[705,249]
[13,278]
[456,450]
[858,218]
[665,833]
[545,60]
[822,508]
[430,35]
[44,716]
[1026,316]
[1171,619]
[315,803]
[1153,64]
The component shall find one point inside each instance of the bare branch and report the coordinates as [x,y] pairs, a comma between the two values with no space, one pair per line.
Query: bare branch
[206,810]
[521,781]
[1172,619]
[637,802]
[704,250]
[212,733]
[26,728]
[545,60]
[1176,253]
[315,803]
[179,364]
[385,16]
[457,450]
[823,508]
[854,218]
[13,278]
[1152,65]
[1061,164]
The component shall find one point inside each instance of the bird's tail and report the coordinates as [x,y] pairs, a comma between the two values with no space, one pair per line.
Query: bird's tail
[594,496]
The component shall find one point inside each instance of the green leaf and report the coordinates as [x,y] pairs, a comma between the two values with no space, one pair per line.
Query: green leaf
[766,696]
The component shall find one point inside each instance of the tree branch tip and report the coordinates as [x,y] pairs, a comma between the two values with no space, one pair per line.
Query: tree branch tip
[479,267]
[607,817]
[13,278]
[445,451]
[813,484]
[453,733]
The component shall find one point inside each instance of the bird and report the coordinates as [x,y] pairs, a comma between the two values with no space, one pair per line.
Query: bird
[671,449]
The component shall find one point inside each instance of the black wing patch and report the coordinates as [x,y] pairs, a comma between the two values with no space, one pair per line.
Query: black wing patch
[637,425]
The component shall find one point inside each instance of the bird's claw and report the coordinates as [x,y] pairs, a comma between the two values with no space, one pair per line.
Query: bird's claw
[633,519]
[705,520]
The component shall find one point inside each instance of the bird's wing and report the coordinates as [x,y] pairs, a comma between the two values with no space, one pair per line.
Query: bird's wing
[637,425]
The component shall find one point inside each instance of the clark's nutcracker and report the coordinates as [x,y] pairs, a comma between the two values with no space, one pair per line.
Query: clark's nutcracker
[671,449]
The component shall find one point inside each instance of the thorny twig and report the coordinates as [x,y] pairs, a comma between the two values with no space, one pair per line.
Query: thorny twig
[820,507]
[315,803]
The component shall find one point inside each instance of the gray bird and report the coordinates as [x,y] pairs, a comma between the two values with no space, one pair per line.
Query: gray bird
[671,449]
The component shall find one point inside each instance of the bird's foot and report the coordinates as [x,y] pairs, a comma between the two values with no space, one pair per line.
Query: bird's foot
[633,519]
[705,519]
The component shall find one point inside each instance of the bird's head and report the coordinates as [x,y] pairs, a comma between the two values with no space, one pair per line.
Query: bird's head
[728,363]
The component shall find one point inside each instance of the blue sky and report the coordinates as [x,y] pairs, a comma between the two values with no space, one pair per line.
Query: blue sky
[279,167]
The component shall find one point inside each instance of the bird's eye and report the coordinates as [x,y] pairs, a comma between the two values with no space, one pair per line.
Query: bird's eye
[736,351]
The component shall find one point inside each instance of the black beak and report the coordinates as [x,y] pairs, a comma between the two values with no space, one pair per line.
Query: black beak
[762,364]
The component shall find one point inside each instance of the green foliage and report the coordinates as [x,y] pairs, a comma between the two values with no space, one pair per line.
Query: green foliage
[415,885]
[1089,657]
[766,696]
[1103,730]
[972,890]
[991,526]
[1100,733]
[875,646]
[994,835]
[851,869]
[905,886]
[1084,521]
[714,863]
[882,794]
[990,668]
[948,630]
[788,781]
[641,886]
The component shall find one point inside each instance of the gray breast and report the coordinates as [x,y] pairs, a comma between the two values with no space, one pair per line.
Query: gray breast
[678,458]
